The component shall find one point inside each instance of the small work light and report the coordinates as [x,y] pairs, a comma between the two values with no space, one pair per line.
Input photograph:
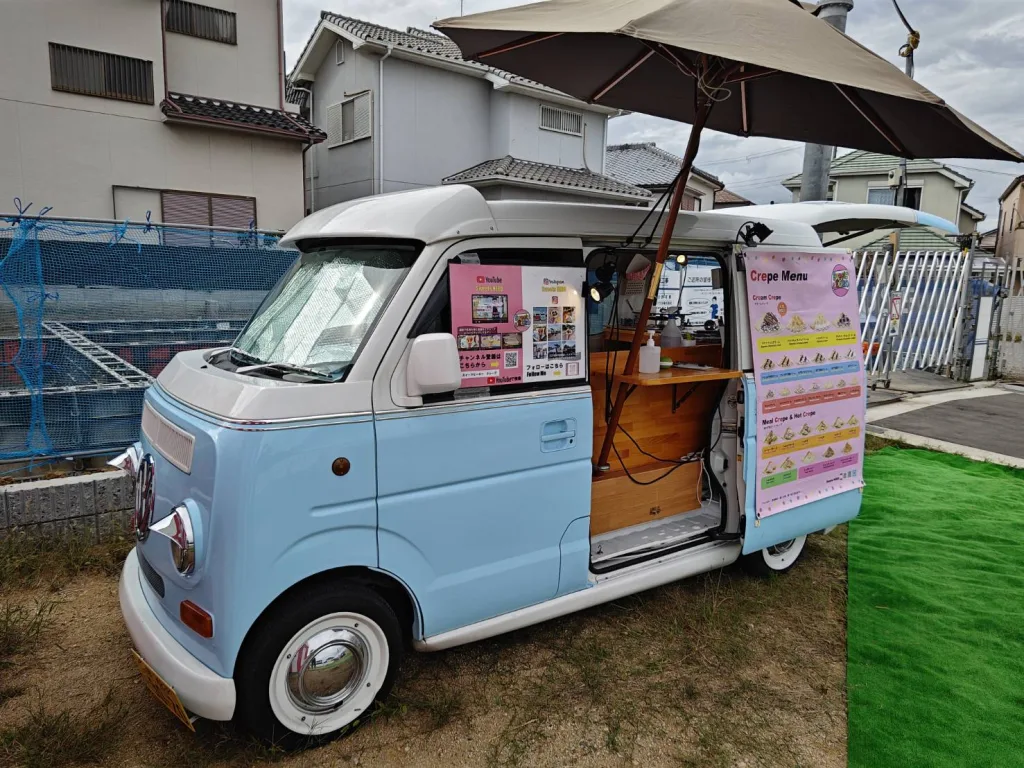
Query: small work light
[603,288]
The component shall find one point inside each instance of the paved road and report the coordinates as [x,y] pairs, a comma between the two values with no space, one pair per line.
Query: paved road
[986,423]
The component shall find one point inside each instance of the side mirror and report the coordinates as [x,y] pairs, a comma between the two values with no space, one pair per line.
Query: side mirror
[433,365]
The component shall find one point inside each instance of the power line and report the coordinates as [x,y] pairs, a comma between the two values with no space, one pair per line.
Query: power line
[750,157]
[983,170]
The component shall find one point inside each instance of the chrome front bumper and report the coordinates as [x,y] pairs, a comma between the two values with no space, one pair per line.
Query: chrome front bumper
[202,691]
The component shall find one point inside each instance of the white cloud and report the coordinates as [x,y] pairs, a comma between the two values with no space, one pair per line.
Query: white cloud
[971,55]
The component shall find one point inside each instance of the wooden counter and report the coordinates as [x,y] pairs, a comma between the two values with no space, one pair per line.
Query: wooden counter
[670,376]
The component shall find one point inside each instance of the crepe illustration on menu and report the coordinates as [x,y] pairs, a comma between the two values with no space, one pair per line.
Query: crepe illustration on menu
[822,426]
[785,362]
[838,423]
[767,365]
[806,430]
[843,321]
[852,421]
[789,434]
[834,356]
[771,438]
[847,448]
[842,383]
[851,354]
[803,360]
[788,463]
[829,385]
[784,391]
[820,323]
[799,389]
[815,387]
[808,458]
[819,358]
[829,453]
[797,324]
[770,468]
[770,395]
[769,323]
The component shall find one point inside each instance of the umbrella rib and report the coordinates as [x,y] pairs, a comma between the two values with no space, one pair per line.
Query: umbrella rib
[678,61]
[872,117]
[757,74]
[522,42]
[743,105]
[626,72]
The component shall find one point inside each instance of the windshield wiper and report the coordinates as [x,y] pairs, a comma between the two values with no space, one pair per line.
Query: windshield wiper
[287,368]
[246,358]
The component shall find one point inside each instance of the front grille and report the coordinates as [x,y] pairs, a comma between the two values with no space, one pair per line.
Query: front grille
[155,580]
[174,444]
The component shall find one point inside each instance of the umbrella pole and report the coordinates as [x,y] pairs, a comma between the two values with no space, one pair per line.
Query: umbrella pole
[704,106]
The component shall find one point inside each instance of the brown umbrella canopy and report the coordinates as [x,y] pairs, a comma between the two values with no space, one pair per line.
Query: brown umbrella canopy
[771,68]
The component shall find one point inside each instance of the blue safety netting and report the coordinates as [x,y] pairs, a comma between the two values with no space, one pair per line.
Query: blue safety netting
[90,313]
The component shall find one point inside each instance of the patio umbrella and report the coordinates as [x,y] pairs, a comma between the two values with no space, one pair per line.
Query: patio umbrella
[746,67]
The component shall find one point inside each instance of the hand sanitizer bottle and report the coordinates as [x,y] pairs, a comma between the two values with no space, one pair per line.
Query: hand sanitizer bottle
[650,356]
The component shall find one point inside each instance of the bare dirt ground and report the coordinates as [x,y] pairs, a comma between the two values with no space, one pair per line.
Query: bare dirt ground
[720,670]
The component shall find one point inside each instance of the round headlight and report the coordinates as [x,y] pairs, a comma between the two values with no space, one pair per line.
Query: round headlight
[178,530]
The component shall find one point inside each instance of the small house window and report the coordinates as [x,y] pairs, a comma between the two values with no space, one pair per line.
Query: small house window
[206,210]
[95,73]
[339,52]
[350,120]
[561,120]
[887,196]
[202,21]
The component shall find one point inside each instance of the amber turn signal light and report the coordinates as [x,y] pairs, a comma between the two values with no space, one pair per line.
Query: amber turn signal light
[196,619]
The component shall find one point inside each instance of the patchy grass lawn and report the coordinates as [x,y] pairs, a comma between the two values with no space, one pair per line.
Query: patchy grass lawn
[720,670]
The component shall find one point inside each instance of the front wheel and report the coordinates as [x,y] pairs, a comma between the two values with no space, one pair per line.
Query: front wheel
[776,559]
[317,665]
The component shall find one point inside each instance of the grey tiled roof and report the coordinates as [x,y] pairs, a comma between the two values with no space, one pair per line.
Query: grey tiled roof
[874,163]
[512,169]
[420,41]
[182,106]
[646,165]
[295,96]
[915,239]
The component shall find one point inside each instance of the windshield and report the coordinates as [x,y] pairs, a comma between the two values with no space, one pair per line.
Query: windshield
[319,315]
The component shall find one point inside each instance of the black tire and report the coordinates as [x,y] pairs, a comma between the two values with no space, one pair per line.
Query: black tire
[765,562]
[267,640]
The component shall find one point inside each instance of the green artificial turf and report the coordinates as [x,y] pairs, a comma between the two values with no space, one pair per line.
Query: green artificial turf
[936,614]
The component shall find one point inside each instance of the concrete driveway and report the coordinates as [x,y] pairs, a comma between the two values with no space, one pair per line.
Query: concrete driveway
[979,423]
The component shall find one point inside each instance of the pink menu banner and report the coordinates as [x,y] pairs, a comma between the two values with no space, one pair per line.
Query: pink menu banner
[809,376]
[518,324]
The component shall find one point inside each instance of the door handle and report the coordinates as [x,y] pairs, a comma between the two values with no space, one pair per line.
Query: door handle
[558,436]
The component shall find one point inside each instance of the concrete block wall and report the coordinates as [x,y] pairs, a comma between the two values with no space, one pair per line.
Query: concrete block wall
[93,506]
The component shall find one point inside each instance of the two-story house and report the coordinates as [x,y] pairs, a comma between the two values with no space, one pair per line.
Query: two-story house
[863,177]
[647,165]
[111,109]
[403,109]
[1009,235]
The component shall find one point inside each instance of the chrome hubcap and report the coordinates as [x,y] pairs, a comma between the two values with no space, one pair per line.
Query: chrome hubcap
[327,669]
[781,549]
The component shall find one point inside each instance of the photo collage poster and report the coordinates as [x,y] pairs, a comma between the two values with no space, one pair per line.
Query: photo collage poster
[809,370]
[518,324]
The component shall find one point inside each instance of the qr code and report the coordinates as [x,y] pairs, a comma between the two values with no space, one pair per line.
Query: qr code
[572,369]
[512,359]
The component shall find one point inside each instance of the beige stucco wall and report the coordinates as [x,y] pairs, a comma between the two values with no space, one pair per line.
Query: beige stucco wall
[1010,238]
[70,151]
[247,72]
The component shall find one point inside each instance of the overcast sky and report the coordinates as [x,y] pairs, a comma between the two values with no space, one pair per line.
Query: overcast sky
[971,54]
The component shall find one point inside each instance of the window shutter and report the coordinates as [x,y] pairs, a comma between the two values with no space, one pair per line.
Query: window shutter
[348,111]
[185,209]
[561,120]
[363,116]
[235,212]
[334,125]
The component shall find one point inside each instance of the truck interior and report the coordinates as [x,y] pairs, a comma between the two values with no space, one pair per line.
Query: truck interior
[657,491]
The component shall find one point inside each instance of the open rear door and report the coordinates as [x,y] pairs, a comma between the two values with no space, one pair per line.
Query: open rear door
[804,393]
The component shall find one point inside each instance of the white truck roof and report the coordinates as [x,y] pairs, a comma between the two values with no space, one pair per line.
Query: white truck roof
[443,213]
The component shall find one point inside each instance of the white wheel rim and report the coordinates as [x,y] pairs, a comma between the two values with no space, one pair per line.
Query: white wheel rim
[784,554]
[329,673]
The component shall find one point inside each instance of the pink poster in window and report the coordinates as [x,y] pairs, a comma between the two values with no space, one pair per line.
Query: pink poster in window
[810,379]
[517,324]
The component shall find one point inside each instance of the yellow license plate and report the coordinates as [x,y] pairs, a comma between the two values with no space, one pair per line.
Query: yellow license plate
[162,691]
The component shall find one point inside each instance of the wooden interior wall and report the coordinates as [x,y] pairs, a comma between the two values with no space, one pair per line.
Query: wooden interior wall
[647,414]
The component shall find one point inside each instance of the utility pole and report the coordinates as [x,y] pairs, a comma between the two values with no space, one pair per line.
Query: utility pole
[817,158]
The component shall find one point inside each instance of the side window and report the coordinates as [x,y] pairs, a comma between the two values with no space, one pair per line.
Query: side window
[519,320]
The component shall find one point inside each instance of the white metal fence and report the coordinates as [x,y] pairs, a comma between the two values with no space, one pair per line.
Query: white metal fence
[930,287]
